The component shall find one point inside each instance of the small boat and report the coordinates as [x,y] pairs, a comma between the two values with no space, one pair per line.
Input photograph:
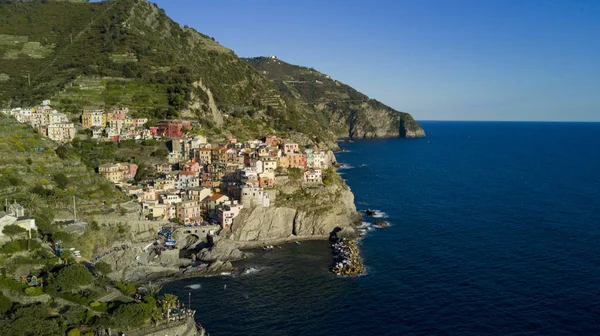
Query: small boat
[297,243]
[370,212]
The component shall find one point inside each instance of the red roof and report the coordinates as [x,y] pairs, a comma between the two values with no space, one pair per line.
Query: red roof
[215,197]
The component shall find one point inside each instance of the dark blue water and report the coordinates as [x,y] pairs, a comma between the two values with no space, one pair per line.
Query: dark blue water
[495,231]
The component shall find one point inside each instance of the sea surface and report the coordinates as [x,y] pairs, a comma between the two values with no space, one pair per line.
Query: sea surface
[495,230]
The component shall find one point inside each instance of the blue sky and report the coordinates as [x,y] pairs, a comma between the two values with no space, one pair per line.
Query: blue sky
[437,59]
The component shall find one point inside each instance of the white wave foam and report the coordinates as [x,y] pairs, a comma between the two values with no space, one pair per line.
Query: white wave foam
[345,166]
[252,270]
[380,214]
[194,286]
[364,225]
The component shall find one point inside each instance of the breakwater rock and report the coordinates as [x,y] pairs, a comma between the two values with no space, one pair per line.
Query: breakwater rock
[346,257]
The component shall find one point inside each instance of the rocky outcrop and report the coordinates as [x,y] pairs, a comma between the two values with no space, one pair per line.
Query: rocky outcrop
[221,249]
[304,213]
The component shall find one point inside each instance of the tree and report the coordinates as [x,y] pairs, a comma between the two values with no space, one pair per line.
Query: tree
[13,230]
[62,152]
[63,236]
[73,277]
[168,302]
[103,268]
[5,304]
[151,289]
[140,174]
[129,316]
[32,203]
[34,319]
[61,180]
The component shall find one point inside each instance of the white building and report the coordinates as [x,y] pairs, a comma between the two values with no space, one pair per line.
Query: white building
[313,176]
[254,196]
[63,132]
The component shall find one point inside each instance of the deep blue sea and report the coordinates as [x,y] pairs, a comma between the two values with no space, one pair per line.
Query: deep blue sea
[495,231]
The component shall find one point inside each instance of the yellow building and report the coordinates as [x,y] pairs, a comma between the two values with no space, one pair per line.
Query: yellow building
[93,118]
[111,172]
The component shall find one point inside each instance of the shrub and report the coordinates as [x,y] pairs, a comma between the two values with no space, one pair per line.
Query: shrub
[11,284]
[61,180]
[73,332]
[126,287]
[99,306]
[34,291]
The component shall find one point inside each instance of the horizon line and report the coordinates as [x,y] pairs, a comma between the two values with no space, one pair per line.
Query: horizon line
[512,121]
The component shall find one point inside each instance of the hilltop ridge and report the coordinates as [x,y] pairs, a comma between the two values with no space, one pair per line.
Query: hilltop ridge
[130,53]
[349,113]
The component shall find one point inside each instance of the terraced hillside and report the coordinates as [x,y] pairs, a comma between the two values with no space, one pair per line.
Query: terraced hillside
[33,174]
[129,53]
[347,111]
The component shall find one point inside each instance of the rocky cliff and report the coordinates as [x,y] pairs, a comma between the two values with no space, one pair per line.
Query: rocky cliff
[300,212]
[345,111]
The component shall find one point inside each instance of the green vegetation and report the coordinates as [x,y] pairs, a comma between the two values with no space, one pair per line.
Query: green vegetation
[102,268]
[333,105]
[13,230]
[87,57]
[73,277]
[43,177]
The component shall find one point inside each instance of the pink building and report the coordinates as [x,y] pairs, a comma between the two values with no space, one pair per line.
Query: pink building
[128,169]
[188,211]
[191,166]
[228,211]
[296,160]
[290,148]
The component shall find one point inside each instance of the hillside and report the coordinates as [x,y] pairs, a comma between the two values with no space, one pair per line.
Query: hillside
[130,53]
[32,173]
[348,112]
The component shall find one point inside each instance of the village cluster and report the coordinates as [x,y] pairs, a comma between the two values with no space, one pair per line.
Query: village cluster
[114,125]
[200,182]
[203,182]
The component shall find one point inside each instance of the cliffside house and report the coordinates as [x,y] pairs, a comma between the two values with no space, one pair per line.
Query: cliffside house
[228,211]
[313,176]
[272,141]
[254,196]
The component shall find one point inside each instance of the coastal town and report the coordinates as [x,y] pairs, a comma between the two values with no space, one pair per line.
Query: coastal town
[199,182]
[196,185]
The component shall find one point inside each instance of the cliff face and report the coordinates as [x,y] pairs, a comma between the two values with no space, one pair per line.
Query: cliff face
[345,111]
[298,213]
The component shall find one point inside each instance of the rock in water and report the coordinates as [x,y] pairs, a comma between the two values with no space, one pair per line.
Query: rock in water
[381,223]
